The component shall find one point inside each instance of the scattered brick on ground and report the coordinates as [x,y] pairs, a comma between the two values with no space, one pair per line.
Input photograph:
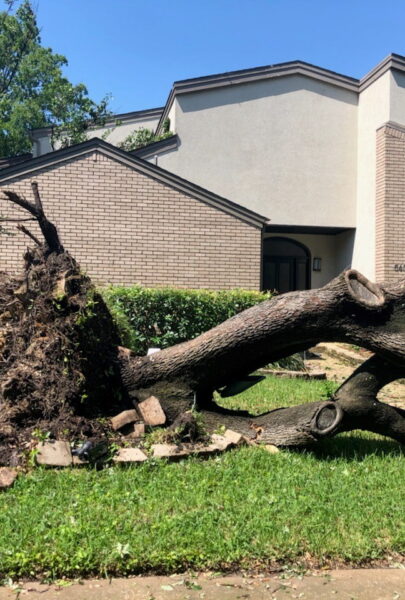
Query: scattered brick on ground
[152,412]
[7,477]
[54,454]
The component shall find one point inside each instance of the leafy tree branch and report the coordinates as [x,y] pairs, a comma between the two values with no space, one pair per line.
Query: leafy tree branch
[142,137]
[34,93]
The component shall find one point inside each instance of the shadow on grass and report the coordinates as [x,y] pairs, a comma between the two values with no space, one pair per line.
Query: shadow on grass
[355,446]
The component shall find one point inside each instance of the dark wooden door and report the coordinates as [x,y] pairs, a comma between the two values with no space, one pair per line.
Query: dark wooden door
[285,272]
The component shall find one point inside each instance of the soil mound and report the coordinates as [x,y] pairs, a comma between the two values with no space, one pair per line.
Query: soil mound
[58,346]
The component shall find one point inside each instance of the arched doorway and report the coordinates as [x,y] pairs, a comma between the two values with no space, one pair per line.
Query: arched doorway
[286,265]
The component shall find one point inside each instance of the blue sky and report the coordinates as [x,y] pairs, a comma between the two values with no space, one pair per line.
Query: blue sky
[135,49]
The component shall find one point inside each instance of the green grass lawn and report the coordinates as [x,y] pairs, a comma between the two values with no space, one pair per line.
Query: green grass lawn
[343,500]
[273,392]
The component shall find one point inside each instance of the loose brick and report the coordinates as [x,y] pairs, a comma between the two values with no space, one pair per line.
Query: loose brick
[233,437]
[130,455]
[171,450]
[133,431]
[151,412]
[124,418]
[54,454]
[7,477]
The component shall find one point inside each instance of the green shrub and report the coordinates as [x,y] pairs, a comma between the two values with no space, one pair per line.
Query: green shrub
[162,317]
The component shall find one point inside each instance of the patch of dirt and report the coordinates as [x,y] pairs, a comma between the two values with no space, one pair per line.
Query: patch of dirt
[338,369]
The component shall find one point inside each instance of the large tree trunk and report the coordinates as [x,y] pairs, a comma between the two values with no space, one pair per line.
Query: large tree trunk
[348,309]
[60,360]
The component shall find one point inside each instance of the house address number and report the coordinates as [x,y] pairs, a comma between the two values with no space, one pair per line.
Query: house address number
[399,267]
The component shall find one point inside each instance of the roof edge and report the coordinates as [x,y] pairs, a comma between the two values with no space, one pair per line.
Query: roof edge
[129,116]
[169,143]
[297,67]
[391,62]
[166,177]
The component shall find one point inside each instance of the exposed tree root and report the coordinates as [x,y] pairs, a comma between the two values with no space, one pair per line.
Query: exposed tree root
[58,351]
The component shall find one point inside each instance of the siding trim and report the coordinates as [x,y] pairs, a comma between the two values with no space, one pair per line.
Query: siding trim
[170,143]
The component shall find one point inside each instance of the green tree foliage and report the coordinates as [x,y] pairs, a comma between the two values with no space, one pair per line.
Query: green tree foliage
[33,91]
[142,137]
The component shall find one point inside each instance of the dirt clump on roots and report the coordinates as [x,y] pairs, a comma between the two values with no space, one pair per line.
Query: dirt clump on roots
[59,372]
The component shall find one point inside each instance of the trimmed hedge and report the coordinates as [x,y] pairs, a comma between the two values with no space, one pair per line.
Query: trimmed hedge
[162,317]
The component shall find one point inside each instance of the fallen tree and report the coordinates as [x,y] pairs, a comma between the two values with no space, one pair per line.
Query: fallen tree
[62,366]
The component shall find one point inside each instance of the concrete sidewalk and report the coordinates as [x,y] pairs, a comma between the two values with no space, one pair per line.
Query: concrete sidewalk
[359,584]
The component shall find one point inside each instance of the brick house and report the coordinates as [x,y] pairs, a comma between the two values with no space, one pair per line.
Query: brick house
[128,221]
[305,169]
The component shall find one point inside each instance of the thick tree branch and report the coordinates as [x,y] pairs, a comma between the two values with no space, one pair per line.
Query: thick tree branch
[357,397]
[348,309]
[29,234]
[22,202]
[354,406]
[48,229]
[37,197]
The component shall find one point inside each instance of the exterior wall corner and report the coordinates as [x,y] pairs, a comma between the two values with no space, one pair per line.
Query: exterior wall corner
[390,203]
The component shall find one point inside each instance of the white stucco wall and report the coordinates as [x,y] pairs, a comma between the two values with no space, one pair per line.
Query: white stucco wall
[397,97]
[284,147]
[334,250]
[119,132]
[373,111]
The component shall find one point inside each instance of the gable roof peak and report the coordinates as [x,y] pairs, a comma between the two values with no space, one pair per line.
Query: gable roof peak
[51,159]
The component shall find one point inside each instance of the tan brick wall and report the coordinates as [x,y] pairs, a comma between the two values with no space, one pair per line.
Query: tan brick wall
[390,203]
[124,227]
